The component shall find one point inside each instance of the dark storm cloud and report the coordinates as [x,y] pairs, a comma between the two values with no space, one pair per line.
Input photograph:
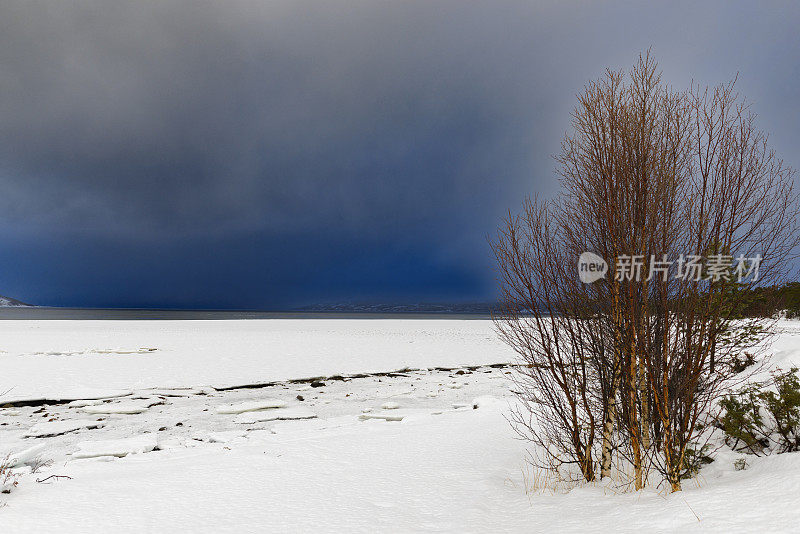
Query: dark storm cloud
[147,124]
[244,114]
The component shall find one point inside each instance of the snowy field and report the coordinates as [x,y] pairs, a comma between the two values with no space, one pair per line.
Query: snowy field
[74,359]
[152,441]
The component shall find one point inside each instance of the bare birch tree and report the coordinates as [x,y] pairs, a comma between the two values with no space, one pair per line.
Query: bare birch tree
[634,362]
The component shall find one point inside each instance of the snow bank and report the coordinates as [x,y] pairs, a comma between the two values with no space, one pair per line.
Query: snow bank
[282,414]
[393,415]
[251,406]
[115,447]
[67,393]
[24,456]
[119,407]
[54,428]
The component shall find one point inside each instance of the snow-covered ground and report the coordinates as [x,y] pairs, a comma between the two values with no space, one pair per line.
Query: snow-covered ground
[76,359]
[423,450]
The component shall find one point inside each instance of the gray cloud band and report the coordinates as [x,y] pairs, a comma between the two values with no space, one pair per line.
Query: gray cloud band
[363,117]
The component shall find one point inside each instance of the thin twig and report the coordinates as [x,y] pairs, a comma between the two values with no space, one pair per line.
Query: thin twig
[690,508]
[53,476]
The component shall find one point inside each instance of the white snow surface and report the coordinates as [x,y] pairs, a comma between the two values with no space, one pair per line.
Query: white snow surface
[24,456]
[394,415]
[450,464]
[55,428]
[251,406]
[117,447]
[280,414]
[58,359]
[130,407]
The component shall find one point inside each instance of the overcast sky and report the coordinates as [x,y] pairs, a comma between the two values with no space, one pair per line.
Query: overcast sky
[273,154]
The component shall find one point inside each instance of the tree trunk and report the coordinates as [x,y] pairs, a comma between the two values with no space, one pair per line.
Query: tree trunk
[608,432]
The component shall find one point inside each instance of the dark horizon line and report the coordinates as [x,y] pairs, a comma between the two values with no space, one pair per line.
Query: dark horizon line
[358,308]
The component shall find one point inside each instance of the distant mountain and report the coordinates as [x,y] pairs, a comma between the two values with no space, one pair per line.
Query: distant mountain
[468,307]
[8,302]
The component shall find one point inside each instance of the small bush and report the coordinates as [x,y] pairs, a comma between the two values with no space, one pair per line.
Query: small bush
[764,418]
[742,421]
[784,407]
[8,478]
[694,459]
[39,463]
